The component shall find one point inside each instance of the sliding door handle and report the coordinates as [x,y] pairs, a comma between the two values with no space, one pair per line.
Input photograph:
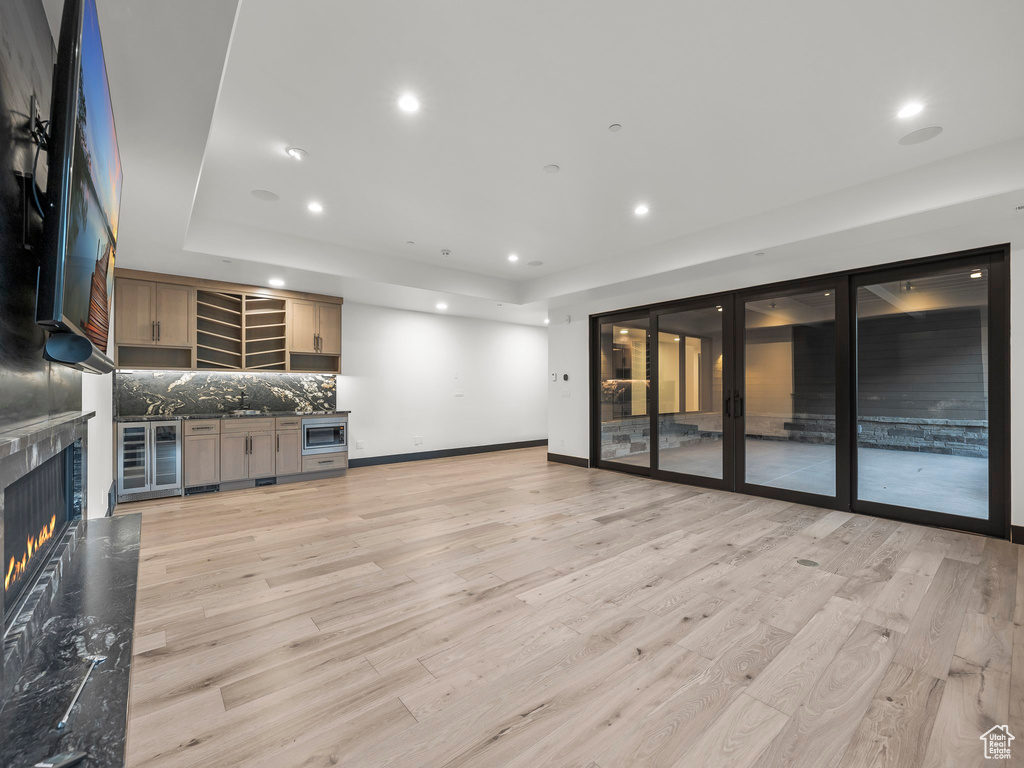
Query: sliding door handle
[739,405]
[728,403]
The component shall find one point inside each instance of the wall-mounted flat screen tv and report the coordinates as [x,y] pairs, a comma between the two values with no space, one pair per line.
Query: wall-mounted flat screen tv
[76,276]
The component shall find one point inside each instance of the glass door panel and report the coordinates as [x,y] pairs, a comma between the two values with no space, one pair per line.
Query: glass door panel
[625,423]
[166,456]
[923,390]
[691,361]
[788,399]
[133,450]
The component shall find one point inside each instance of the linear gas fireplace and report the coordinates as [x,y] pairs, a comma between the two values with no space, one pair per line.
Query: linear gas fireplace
[37,509]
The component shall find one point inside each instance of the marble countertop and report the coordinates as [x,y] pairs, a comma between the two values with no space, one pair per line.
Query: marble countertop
[92,612]
[261,415]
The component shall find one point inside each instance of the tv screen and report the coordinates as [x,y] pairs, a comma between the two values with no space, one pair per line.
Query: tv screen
[84,186]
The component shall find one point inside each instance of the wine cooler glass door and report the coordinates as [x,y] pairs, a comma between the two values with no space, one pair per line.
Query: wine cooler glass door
[133,453]
[166,456]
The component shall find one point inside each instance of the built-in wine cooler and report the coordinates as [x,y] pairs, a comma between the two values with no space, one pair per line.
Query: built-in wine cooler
[149,460]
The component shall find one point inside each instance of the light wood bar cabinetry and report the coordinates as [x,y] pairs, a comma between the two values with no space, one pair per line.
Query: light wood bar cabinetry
[289,446]
[235,450]
[248,449]
[166,321]
[201,456]
[323,461]
[152,314]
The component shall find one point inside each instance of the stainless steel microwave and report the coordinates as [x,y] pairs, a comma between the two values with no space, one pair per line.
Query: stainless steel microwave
[324,435]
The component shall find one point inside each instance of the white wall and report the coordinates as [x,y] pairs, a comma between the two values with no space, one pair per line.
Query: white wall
[401,371]
[568,414]
[97,395]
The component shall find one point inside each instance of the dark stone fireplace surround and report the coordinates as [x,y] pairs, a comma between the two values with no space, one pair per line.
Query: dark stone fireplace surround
[21,451]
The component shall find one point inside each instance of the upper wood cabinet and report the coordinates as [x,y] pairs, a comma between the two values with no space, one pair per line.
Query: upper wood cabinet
[329,328]
[134,312]
[153,314]
[162,321]
[315,327]
[175,314]
[302,326]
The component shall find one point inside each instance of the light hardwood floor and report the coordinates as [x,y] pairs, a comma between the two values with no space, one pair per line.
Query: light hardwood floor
[499,610]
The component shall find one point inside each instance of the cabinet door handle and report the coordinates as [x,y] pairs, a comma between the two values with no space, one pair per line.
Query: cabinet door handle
[152,330]
[158,330]
[278,443]
[196,429]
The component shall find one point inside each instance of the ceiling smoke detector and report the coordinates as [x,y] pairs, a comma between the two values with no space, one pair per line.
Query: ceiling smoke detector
[551,168]
[265,195]
[445,252]
[614,127]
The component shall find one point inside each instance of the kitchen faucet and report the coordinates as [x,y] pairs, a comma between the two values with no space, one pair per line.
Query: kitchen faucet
[241,401]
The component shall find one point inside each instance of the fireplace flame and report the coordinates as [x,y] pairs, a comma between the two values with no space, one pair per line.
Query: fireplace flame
[18,568]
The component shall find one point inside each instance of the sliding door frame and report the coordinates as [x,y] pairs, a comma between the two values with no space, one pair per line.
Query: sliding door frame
[837,285]
[725,482]
[596,321]
[998,522]
[846,283]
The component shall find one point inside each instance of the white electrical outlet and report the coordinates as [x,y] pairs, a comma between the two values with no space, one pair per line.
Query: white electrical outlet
[561,443]
[566,393]
[417,440]
[459,393]
[360,445]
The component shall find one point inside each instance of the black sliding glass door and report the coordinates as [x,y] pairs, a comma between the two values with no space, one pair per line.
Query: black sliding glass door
[693,361]
[883,391]
[929,394]
[624,364]
[786,392]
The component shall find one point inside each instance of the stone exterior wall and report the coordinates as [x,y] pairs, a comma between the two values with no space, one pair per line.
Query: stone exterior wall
[626,437]
[954,437]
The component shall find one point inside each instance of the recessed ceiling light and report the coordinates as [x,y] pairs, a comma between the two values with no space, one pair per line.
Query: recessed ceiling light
[295,153]
[624,331]
[265,195]
[547,320]
[408,103]
[920,135]
[276,282]
[442,306]
[910,109]
[551,168]
[409,242]
[976,274]
[759,253]
[614,127]
[513,257]
[315,207]
[642,209]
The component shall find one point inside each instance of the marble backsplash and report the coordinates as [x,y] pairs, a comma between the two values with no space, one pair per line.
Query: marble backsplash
[184,393]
